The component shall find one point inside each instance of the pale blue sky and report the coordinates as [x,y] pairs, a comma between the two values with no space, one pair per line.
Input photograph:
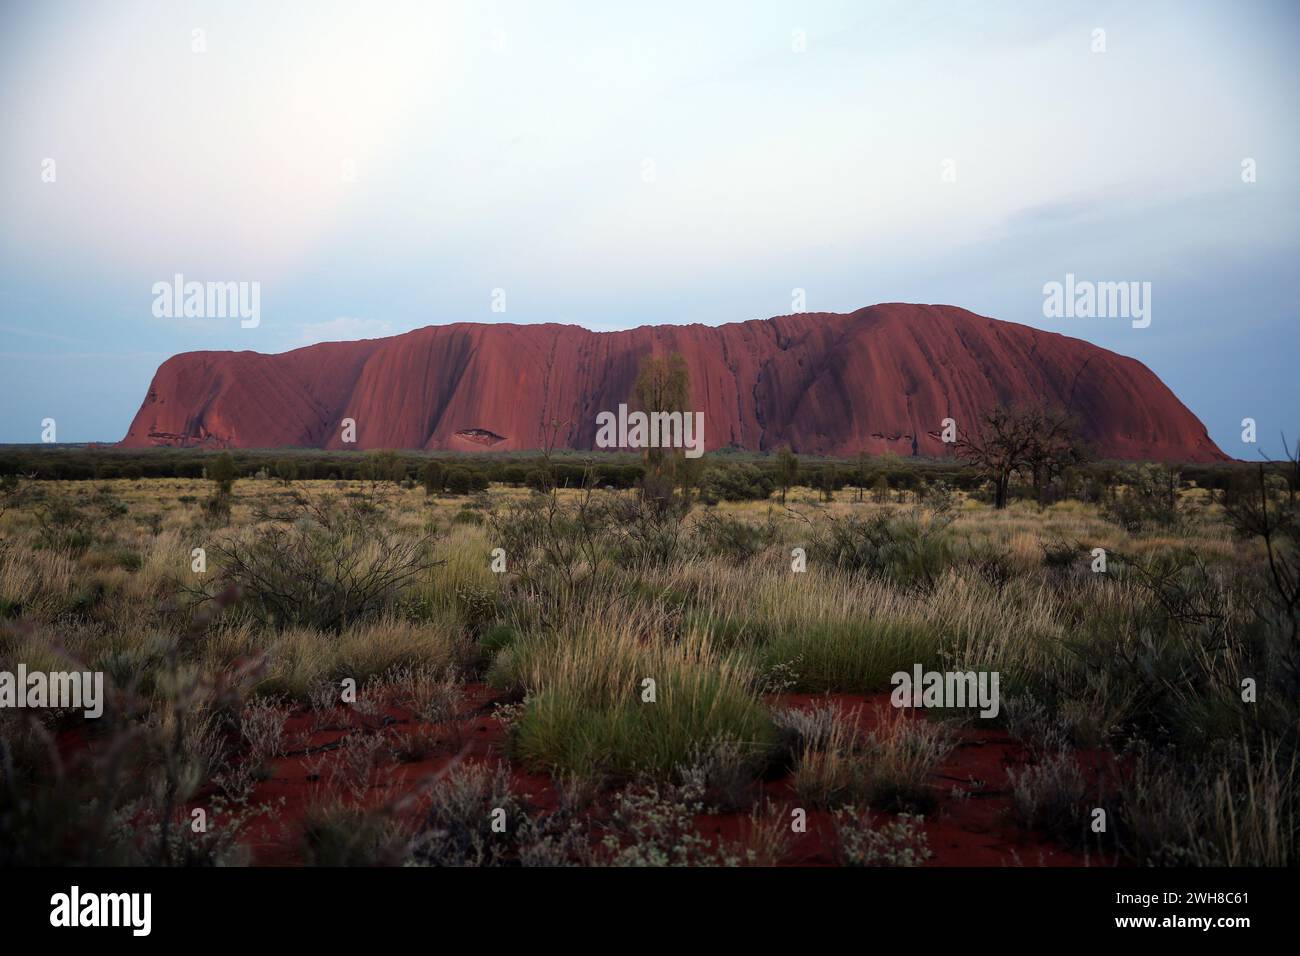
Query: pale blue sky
[505,145]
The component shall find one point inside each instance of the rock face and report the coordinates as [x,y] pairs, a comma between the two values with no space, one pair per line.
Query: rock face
[878,379]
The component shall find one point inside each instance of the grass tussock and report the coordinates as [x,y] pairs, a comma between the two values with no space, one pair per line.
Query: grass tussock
[617,704]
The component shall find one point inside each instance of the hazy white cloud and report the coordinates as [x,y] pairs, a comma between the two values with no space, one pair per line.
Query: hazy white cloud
[212,136]
[37,334]
[343,329]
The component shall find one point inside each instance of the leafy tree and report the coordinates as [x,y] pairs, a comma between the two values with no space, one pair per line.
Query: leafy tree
[382,466]
[1150,499]
[433,478]
[541,480]
[825,483]
[862,475]
[690,471]
[664,385]
[221,470]
[459,481]
[286,469]
[736,482]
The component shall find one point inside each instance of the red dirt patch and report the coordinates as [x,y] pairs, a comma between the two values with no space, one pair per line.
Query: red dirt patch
[972,826]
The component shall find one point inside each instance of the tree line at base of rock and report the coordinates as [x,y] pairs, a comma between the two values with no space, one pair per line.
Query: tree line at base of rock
[717,477]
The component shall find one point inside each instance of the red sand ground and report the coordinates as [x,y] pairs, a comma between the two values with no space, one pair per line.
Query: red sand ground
[976,830]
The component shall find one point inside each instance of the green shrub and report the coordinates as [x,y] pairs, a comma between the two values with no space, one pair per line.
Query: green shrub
[736,482]
[733,538]
[904,550]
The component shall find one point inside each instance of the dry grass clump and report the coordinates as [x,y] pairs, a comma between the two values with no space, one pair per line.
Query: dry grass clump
[591,711]
[889,768]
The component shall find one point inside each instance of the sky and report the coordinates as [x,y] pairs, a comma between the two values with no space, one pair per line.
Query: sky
[377,167]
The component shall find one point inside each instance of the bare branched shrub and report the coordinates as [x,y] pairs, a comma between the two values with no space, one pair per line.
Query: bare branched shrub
[733,538]
[429,695]
[65,524]
[831,765]
[262,728]
[1032,441]
[1269,514]
[412,744]
[236,782]
[342,834]
[358,757]
[557,553]
[14,491]
[323,697]
[725,770]
[458,829]
[1034,725]
[321,565]
[1148,501]
[903,753]
[1049,796]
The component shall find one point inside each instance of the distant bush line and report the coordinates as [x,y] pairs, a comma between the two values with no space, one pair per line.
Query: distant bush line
[727,475]
[85,464]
